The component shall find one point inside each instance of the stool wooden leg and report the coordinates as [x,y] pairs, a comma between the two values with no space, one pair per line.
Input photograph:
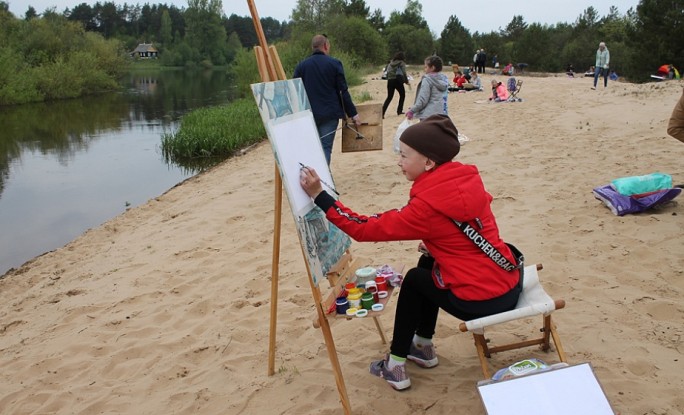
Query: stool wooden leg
[482,353]
[557,342]
[545,345]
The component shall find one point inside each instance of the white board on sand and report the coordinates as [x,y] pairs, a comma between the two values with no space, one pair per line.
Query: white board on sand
[570,390]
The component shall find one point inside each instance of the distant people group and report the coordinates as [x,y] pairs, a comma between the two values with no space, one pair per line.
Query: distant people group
[668,71]
[480,60]
[463,81]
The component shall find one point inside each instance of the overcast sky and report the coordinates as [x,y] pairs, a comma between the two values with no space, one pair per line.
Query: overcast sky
[475,15]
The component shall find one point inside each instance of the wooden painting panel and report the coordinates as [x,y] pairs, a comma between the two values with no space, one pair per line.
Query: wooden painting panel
[366,137]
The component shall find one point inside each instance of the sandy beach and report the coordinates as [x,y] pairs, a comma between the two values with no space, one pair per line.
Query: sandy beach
[165,309]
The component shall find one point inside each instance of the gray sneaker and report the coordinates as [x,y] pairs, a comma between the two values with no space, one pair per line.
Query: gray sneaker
[397,377]
[423,356]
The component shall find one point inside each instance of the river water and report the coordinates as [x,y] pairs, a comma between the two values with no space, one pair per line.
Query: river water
[72,165]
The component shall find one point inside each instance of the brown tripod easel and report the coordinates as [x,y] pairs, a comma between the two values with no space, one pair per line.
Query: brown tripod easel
[270,69]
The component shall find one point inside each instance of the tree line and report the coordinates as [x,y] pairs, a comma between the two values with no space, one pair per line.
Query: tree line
[52,58]
[640,39]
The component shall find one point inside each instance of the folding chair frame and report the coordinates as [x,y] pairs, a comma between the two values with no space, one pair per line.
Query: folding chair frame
[514,94]
[548,332]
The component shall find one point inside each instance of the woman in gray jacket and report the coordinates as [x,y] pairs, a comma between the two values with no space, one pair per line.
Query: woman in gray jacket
[432,92]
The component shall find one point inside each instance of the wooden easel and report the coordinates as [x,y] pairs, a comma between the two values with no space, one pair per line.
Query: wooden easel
[271,69]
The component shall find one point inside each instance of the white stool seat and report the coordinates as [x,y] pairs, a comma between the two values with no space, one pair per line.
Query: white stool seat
[533,301]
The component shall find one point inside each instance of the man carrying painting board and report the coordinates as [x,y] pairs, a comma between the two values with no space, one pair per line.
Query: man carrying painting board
[326,86]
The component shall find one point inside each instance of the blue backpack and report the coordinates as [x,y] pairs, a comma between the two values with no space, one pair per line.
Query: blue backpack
[512,85]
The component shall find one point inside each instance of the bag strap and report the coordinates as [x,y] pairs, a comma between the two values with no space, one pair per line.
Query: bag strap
[481,242]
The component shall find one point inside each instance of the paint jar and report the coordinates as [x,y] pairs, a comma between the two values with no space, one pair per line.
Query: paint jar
[355,290]
[354,300]
[348,286]
[364,275]
[371,285]
[373,289]
[341,305]
[367,301]
[386,275]
[381,283]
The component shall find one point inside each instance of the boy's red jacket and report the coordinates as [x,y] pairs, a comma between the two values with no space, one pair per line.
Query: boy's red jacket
[450,191]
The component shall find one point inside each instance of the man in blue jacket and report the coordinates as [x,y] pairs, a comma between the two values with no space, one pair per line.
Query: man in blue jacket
[326,86]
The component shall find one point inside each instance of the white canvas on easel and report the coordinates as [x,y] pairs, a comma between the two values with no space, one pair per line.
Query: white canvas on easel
[295,141]
[570,390]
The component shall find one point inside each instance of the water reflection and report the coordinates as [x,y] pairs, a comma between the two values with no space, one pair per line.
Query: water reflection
[61,129]
[70,165]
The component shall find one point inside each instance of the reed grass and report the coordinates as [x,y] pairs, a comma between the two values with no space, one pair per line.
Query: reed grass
[215,132]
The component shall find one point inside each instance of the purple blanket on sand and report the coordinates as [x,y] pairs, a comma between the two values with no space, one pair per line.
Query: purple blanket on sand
[621,205]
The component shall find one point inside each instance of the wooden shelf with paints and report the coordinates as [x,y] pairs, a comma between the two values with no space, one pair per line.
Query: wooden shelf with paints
[363,289]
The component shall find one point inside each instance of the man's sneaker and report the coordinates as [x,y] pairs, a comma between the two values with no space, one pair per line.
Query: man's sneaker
[424,356]
[397,377]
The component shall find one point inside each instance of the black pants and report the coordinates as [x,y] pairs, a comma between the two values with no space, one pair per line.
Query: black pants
[420,300]
[393,84]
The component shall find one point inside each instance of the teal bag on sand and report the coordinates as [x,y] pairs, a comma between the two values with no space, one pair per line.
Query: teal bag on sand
[635,185]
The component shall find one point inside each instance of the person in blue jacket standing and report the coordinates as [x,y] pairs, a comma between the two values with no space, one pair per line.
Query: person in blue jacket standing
[326,86]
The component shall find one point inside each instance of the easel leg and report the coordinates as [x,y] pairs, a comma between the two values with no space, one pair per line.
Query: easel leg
[332,354]
[275,271]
